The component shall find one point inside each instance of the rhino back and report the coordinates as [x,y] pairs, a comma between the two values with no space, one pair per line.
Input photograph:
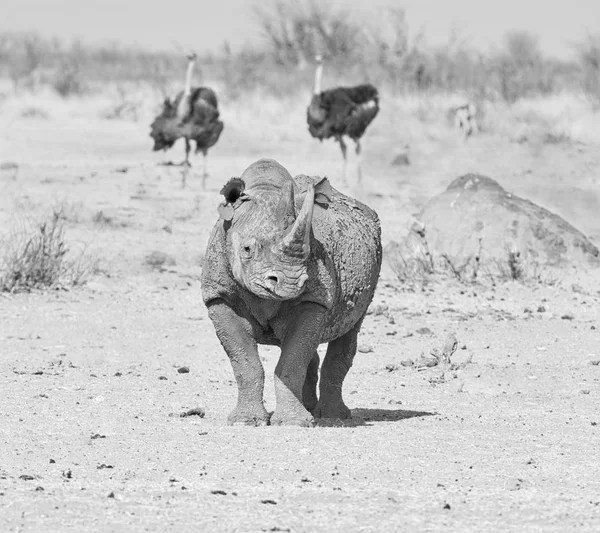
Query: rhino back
[349,233]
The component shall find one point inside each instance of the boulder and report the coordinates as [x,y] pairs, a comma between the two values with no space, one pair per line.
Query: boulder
[475,230]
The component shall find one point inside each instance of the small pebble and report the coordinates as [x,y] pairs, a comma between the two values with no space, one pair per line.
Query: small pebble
[183,370]
[196,411]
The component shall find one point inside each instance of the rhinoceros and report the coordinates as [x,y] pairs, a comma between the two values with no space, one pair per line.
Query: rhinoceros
[291,262]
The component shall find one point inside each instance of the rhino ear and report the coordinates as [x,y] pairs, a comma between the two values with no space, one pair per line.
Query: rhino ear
[233,189]
[225,211]
[323,193]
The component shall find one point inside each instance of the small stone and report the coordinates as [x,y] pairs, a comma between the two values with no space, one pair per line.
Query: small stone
[584,391]
[196,411]
[163,378]
[577,288]
[407,362]
[183,370]
[541,309]
[159,259]
[401,160]
[424,331]
[567,316]
[365,348]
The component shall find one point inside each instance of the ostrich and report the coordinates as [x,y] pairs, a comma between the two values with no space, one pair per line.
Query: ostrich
[193,115]
[465,119]
[341,111]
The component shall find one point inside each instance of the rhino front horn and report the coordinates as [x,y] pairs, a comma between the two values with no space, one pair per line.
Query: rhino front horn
[297,241]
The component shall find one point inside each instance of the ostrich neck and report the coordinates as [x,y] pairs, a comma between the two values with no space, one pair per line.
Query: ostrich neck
[318,77]
[188,79]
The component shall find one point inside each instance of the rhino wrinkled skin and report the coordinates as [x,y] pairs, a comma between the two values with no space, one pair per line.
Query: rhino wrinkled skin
[294,263]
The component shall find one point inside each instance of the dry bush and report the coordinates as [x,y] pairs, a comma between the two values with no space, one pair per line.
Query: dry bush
[296,31]
[588,53]
[381,50]
[38,257]
[68,81]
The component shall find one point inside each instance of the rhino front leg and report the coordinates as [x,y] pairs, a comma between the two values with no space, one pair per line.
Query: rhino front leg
[337,363]
[236,336]
[298,349]
[309,390]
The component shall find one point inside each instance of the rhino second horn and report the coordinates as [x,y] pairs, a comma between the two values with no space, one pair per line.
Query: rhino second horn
[285,209]
[297,240]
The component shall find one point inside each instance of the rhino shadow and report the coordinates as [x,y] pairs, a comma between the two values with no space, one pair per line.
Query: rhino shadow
[363,417]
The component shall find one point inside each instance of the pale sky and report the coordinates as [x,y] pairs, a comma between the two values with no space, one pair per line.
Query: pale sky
[206,24]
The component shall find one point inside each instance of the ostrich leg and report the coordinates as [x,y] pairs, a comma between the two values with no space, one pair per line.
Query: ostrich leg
[205,170]
[359,160]
[344,149]
[186,164]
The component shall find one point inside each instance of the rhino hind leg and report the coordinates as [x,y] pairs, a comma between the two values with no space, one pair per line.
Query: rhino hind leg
[337,363]
[236,335]
[309,390]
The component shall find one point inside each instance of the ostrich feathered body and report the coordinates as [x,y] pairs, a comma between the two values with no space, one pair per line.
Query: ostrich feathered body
[196,120]
[342,111]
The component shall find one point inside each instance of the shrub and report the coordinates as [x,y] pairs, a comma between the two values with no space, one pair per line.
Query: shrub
[38,257]
[67,80]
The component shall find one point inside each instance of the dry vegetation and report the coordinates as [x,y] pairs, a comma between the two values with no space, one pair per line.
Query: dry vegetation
[36,255]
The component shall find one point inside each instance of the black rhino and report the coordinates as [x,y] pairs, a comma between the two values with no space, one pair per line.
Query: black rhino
[291,262]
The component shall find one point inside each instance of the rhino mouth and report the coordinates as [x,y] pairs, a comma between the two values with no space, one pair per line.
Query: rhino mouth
[281,288]
[278,293]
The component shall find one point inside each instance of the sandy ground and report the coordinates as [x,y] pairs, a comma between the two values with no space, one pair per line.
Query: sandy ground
[91,437]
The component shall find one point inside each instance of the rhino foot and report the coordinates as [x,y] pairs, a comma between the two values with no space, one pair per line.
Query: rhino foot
[298,417]
[242,417]
[332,410]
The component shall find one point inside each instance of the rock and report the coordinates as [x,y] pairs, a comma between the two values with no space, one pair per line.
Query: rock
[401,160]
[196,411]
[158,259]
[477,230]
[365,348]
[183,370]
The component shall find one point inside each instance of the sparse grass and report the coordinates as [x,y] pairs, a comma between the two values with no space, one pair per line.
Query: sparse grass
[38,257]
[34,112]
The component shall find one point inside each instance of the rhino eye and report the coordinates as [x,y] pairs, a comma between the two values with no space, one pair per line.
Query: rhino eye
[248,250]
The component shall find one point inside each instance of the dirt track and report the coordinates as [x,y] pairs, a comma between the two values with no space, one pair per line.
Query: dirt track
[90,433]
